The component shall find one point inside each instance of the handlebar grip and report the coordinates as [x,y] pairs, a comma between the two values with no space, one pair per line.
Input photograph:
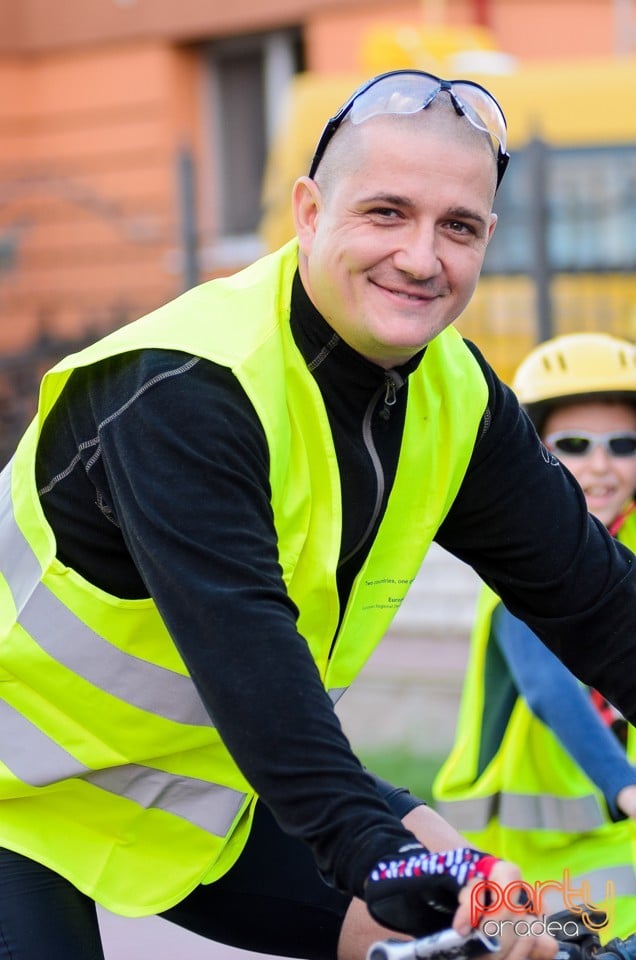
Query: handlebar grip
[445,945]
[391,950]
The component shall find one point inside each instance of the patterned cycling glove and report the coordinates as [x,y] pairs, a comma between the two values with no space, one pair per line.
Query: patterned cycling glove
[416,892]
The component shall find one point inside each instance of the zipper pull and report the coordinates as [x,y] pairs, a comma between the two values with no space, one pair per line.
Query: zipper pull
[389,398]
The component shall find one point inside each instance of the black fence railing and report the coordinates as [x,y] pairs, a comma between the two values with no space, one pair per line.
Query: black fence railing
[20,375]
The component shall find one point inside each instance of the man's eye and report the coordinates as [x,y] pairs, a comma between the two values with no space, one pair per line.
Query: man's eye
[386,212]
[459,227]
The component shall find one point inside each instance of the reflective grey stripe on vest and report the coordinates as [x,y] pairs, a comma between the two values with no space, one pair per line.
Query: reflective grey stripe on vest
[30,755]
[335,693]
[206,805]
[69,641]
[474,814]
[18,564]
[622,878]
[37,760]
[520,811]
[145,685]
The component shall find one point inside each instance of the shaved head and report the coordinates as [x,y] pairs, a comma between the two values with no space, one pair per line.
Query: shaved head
[346,151]
[393,228]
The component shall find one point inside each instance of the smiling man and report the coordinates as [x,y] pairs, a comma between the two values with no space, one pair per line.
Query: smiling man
[391,241]
[210,526]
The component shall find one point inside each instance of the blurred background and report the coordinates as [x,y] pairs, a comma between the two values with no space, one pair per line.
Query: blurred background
[149,145]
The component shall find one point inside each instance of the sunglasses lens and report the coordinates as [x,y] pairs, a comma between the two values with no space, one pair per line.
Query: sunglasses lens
[482,110]
[623,446]
[616,444]
[572,446]
[414,94]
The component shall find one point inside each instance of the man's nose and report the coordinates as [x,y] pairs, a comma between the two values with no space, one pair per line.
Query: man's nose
[418,254]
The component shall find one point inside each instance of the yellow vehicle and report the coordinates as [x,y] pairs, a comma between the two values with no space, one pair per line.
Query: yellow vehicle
[563,256]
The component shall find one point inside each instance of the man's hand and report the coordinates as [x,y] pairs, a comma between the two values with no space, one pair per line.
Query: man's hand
[417,892]
[503,923]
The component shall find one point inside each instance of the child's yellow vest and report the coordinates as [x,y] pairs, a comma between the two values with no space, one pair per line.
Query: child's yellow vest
[533,804]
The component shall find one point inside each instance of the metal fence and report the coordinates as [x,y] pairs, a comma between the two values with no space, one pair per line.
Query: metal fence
[20,375]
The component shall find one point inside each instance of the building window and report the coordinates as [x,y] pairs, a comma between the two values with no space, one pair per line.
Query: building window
[589,195]
[593,207]
[249,78]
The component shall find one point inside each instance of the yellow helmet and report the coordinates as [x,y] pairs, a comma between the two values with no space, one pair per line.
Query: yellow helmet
[576,366]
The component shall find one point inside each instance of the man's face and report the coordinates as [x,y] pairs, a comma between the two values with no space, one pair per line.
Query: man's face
[391,250]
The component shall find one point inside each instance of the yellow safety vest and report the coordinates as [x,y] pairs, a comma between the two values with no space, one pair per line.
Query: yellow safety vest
[111,771]
[533,804]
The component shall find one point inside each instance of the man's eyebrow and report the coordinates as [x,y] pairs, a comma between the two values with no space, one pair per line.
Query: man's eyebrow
[393,199]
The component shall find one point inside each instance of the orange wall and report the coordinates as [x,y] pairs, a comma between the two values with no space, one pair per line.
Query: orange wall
[544,29]
[528,29]
[30,25]
[87,175]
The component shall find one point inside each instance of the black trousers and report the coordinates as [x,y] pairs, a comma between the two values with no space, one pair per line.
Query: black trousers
[272,900]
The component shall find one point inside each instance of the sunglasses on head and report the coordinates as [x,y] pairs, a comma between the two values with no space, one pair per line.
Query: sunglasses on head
[581,443]
[409,91]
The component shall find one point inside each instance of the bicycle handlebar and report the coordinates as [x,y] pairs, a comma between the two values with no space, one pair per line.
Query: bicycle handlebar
[449,945]
[445,945]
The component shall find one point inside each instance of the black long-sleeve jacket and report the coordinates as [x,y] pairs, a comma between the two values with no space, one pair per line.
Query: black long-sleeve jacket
[174,502]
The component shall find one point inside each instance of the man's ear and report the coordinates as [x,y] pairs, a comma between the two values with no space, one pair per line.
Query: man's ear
[492,225]
[306,207]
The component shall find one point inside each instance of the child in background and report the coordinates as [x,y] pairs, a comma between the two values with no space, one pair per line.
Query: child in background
[542,771]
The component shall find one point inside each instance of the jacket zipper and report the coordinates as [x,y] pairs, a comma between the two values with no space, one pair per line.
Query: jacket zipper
[387,393]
